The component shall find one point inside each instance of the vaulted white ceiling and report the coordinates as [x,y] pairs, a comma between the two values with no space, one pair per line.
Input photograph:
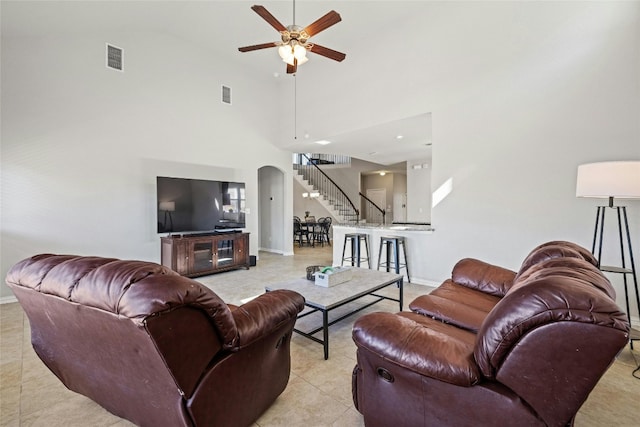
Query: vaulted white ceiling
[222,26]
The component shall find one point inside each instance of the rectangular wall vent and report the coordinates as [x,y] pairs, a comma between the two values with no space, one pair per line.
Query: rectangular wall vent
[114,57]
[226,95]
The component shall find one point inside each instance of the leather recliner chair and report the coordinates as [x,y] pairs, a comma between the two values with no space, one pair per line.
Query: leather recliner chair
[154,347]
[492,347]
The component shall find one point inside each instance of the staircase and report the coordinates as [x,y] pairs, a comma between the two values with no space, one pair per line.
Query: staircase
[321,187]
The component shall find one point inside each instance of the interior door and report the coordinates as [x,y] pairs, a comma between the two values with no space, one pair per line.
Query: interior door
[379,197]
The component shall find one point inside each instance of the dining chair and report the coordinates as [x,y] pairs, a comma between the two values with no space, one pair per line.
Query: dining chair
[299,232]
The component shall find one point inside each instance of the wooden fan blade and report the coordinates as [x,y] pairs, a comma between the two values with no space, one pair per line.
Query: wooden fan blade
[331,18]
[292,68]
[329,53]
[264,13]
[257,46]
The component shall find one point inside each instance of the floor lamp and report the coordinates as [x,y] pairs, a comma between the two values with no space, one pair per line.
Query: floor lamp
[167,207]
[614,180]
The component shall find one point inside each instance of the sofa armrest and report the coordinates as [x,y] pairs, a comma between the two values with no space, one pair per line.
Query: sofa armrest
[264,314]
[482,276]
[417,348]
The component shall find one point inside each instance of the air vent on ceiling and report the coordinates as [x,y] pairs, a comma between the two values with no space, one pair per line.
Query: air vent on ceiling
[114,57]
[226,95]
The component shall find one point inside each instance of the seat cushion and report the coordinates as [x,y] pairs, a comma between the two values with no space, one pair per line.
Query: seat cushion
[467,296]
[449,311]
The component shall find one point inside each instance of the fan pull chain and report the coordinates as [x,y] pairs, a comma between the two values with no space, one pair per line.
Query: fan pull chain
[295,107]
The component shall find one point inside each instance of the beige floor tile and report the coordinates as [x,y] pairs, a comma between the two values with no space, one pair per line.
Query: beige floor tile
[332,377]
[9,404]
[302,404]
[11,373]
[72,412]
[350,418]
[45,392]
[11,352]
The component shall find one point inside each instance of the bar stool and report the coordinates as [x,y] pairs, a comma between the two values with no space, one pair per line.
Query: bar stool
[393,243]
[356,258]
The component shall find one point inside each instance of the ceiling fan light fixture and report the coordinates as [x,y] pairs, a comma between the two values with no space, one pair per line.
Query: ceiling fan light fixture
[285,52]
[294,44]
[299,52]
[293,51]
[291,60]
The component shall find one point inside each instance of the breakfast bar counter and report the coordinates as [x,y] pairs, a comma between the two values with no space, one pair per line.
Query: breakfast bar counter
[416,238]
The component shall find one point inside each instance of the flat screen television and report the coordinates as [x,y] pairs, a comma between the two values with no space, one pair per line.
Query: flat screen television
[197,205]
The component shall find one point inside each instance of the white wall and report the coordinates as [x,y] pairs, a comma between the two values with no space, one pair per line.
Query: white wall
[419,190]
[521,93]
[82,144]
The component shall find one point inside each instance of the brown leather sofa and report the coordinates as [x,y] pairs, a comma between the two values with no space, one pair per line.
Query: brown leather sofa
[492,347]
[153,347]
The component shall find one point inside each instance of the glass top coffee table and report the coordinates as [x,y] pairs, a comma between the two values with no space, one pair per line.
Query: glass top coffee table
[320,299]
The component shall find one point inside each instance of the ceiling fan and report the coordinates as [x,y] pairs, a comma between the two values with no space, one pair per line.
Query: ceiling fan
[295,40]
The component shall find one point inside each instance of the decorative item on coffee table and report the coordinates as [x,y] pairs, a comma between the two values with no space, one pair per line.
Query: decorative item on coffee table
[311,271]
[332,276]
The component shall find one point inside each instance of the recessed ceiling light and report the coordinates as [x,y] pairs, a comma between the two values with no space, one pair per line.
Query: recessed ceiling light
[399,137]
[383,173]
[323,142]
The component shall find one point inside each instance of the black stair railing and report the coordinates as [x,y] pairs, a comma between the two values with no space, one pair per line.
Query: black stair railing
[326,187]
[371,206]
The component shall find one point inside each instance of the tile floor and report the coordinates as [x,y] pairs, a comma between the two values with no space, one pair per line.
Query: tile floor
[319,391]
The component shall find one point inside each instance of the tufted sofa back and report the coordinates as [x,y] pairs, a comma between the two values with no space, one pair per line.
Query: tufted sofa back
[558,302]
[556,249]
[136,328]
[121,288]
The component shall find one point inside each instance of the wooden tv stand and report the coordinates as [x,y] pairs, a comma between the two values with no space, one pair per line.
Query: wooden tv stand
[195,255]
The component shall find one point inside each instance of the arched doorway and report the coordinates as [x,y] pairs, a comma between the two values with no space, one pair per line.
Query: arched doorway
[271,209]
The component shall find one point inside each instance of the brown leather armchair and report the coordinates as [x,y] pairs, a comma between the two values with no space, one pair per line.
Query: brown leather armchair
[491,346]
[153,347]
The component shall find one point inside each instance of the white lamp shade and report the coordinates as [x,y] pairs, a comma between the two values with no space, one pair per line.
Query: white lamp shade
[299,52]
[285,51]
[168,206]
[292,52]
[620,180]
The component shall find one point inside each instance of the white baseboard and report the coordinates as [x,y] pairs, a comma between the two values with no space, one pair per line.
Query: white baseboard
[273,251]
[423,282]
[8,300]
